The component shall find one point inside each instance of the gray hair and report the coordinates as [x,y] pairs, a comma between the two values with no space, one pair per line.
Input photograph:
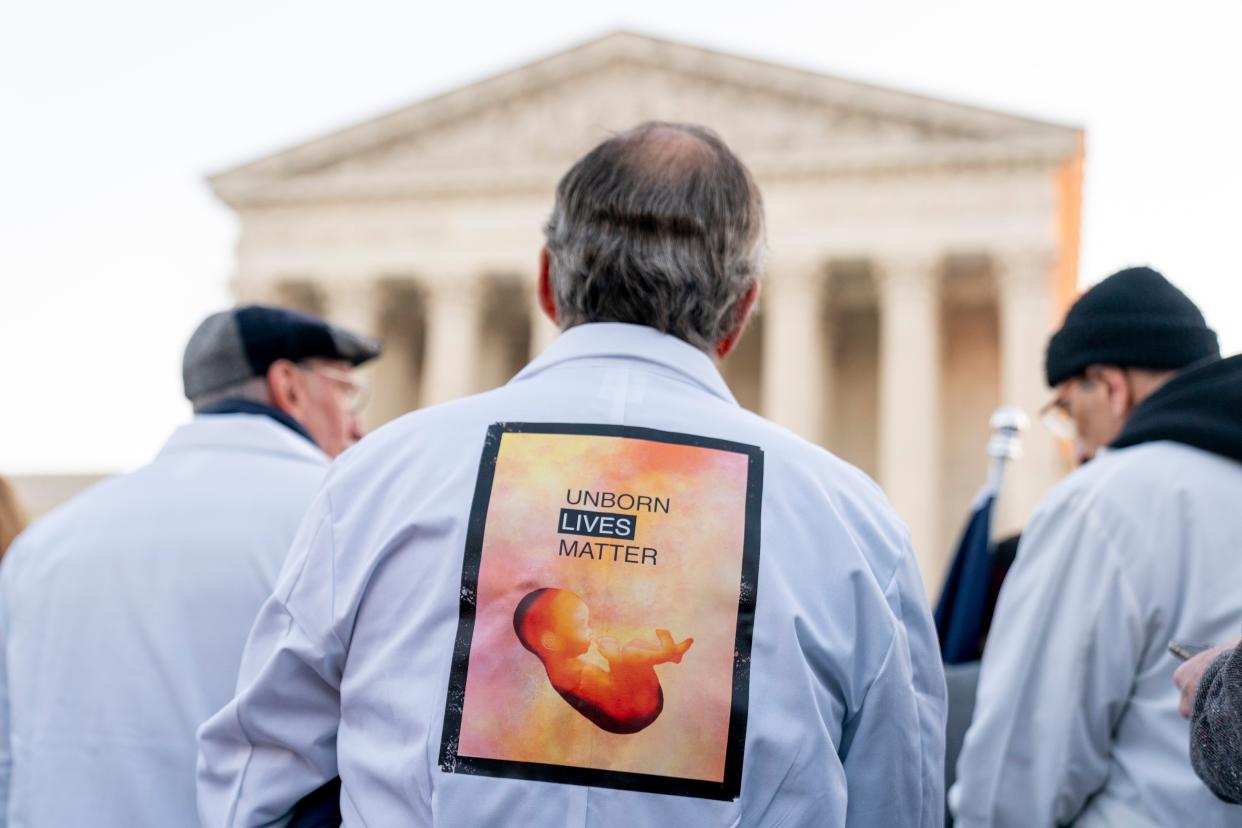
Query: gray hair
[660,226]
[253,389]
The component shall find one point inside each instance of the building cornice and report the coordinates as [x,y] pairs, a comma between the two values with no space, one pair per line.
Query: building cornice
[958,135]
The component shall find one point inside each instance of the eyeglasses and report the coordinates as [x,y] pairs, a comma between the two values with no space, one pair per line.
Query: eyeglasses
[1056,418]
[356,391]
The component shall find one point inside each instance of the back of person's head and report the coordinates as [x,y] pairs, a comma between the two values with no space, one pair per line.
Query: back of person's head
[12,516]
[661,226]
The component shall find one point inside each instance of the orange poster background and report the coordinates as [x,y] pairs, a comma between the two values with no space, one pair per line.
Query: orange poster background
[510,710]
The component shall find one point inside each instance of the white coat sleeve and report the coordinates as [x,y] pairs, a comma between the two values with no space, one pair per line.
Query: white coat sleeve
[894,765]
[1061,656]
[275,741]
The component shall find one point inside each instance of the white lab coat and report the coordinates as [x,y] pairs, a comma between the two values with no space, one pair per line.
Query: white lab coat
[348,666]
[1076,719]
[122,619]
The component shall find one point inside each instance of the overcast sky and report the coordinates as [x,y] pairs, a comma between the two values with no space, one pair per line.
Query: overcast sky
[112,248]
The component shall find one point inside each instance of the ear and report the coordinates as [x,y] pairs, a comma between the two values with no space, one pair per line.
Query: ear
[547,300]
[284,387]
[745,307]
[1120,397]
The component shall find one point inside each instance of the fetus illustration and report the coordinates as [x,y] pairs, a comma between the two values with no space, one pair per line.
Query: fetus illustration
[554,624]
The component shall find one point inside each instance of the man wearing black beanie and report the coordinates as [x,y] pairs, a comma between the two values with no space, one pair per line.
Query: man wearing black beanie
[1121,341]
[1076,718]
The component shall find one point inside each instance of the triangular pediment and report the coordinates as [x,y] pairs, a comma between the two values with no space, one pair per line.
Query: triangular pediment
[529,123]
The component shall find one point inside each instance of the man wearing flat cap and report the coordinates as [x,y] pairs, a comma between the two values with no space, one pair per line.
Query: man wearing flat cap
[123,613]
[1076,719]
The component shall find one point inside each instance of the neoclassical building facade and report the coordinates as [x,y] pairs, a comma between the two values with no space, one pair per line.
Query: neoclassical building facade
[920,251]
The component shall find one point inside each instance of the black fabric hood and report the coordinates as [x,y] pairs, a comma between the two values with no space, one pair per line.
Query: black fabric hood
[1200,407]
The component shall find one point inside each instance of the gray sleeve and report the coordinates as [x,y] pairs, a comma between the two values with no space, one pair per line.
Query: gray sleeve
[1216,727]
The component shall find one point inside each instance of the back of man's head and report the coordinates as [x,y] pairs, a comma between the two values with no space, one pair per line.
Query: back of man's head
[659,226]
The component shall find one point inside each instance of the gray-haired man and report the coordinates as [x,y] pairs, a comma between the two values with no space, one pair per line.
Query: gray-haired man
[603,594]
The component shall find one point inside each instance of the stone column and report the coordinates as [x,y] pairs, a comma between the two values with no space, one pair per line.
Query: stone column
[909,399]
[396,382]
[353,304]
[795,349]
[1024,282]
[453,316]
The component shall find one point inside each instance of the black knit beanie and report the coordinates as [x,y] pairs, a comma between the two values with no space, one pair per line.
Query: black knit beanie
[1133,319]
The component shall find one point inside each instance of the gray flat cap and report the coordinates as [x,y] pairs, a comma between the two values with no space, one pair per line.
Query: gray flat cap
[234,345]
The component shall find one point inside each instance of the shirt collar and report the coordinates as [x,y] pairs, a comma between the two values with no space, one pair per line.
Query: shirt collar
[235,405]
[256,433]
[618,340]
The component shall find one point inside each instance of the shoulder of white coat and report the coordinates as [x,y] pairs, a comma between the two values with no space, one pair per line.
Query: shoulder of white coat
[1115,501]
[1120,479]
[1161,465]
[425,426]
[442,431]
[71,516]
[848,496]
[797,455]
